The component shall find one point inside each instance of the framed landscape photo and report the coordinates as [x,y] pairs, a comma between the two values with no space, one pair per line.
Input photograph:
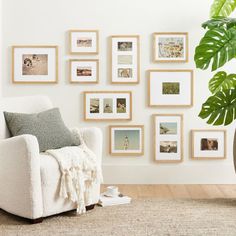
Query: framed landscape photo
[208,144]
[170,47]
[127,140]
[170,88]
[168,137]
[125,59]
[107,105]
[84,71]
[34,64]
[84,41]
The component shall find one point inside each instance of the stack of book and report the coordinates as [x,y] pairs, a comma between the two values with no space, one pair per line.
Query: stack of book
[112,201]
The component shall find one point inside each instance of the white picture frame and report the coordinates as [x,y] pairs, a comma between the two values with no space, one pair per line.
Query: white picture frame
[84,42]
[107,105]
[125,59]
[34,64]
[126,140]
[84,71]
[170,47]
[208,144]
[168,138]
[170,88]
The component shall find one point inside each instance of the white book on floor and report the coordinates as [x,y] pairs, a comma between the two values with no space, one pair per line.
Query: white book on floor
[111,201]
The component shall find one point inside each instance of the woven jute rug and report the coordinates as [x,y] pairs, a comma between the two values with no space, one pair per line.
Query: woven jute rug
[147,217]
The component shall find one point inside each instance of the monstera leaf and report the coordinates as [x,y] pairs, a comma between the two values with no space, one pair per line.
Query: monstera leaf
[220,108]
[222,7]
[218,22]
[222,81]
[218,45]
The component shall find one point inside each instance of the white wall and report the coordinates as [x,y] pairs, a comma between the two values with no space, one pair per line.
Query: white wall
[47,22]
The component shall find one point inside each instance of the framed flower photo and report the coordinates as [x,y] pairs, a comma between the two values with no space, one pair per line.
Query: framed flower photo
[84,71]
[168,137]
[125,59]
[107,105]
[208,144]
[34,64]
[170,88]
[126,140]
[170,47]
[84,41]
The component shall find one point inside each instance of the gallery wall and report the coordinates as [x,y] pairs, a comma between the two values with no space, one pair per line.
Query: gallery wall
[44,22]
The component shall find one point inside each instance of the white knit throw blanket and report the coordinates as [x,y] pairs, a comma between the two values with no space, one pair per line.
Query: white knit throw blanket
[80,170]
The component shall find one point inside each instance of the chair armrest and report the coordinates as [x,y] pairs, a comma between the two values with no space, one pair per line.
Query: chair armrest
[20,181]
[93,139]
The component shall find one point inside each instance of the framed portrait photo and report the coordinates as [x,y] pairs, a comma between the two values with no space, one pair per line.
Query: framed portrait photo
[126,140]
[34,64]
[125,59]
[170,47]
[84,41]
[208,144]
[84,71]
[107,105]
[170,88]
[168,137]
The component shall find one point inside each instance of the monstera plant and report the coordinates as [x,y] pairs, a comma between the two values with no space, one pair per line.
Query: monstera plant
[217,47]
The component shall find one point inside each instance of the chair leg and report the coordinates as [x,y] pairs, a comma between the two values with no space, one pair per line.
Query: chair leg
[90,207]
[36,221]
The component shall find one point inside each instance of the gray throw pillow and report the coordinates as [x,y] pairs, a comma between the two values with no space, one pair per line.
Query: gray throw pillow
[47,126]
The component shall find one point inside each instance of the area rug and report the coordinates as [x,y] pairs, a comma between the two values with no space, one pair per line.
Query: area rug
[147,217]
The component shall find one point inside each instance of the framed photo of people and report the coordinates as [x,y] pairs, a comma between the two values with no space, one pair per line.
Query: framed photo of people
[126,140]
[84,41]
[168,137]
[125,59]
[107,105]
[170,88]
[84,71]
[208,144]
[34,64]
[170,47]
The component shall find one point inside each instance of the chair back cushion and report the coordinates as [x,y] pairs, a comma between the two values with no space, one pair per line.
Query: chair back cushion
[29,104]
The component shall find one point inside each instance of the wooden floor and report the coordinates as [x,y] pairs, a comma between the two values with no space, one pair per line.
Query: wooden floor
[177,191]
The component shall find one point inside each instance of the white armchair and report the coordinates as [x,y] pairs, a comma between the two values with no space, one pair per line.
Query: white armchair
[29,180]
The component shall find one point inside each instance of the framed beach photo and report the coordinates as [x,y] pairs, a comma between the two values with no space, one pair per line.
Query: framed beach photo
[34,64]
[170,47]
[84,71]
[107,105]
[126,140]
[168,137]
[208,144]
[84,41]
[125,59]
[170,88]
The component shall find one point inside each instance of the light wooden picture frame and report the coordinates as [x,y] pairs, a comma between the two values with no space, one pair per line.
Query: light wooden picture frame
[170,88]
[34,64]
[170,47]
[208,144]
[126,140]
[125,59]
[84,42]
[85,71]
[168,138]
[107,105]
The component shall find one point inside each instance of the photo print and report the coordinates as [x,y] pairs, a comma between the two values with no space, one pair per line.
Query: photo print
[84,71]
[94,105]
[170,88]
[34,64]
[125,73]
[108,105]
[168,128]
[124,46]
[209,144]
[168,146]
[121,105]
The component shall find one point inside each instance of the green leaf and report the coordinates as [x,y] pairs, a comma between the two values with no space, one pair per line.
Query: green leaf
[218,45]
[222,7]
[222,81]
[218,22]
[220,108]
